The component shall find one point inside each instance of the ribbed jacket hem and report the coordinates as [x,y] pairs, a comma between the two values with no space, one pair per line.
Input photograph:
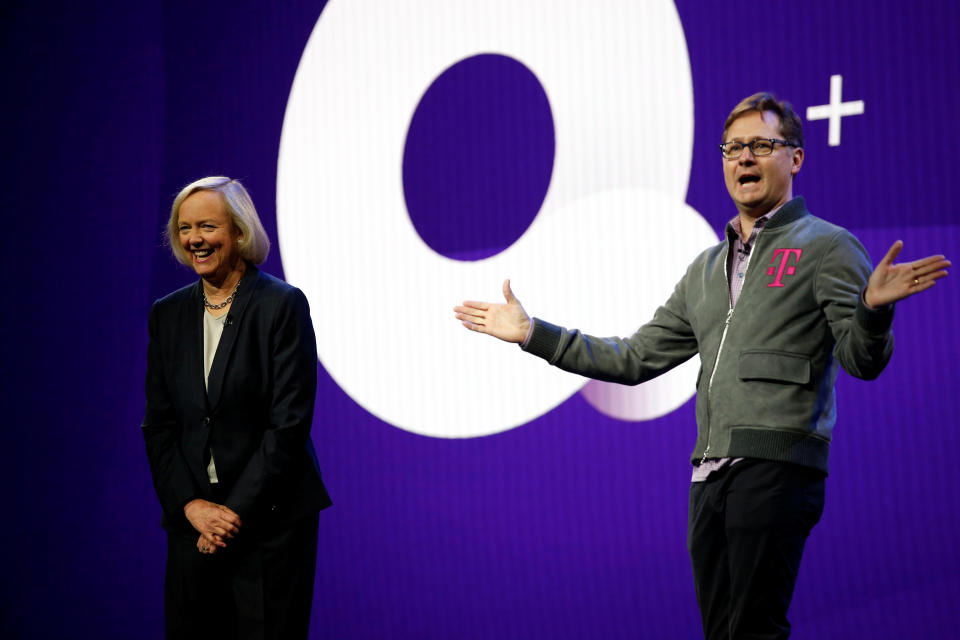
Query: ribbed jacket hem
[777,444]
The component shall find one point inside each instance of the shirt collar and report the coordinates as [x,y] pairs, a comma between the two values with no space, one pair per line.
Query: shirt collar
[759,224]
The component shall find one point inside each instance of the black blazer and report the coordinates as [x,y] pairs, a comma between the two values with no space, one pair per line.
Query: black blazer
[255,414]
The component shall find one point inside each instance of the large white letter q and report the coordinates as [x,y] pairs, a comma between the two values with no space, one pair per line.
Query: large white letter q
[618,80]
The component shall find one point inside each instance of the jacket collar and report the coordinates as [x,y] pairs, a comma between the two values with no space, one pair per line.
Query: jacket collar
[787,214]
[790,212]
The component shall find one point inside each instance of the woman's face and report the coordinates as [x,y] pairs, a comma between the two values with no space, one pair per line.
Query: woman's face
[208,236]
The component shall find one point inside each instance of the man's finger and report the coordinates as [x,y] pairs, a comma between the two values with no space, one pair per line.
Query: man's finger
[473,304]
[466,317]
[892,253]
[473,327]
[931,263]
[508,292]
[930,272]
[470,311]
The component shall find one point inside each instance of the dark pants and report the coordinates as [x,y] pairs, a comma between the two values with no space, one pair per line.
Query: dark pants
[252,589]
[747,526]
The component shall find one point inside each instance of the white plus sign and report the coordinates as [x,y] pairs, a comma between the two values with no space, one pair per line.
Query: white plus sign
[835,110]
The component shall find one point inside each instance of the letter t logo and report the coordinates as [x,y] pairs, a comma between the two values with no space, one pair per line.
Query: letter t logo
[782,267]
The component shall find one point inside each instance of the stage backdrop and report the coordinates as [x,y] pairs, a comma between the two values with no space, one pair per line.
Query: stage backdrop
[405,156]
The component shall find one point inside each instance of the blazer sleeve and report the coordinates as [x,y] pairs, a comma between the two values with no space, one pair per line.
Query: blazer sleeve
[161,431]
[293,372]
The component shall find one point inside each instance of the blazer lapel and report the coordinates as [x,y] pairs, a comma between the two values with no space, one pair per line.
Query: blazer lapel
[229,337]
[192,323]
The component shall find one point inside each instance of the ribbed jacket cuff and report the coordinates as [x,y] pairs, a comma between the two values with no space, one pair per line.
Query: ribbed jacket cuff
[544,340]
[874,321]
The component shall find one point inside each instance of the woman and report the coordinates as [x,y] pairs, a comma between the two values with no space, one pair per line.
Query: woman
[231,380]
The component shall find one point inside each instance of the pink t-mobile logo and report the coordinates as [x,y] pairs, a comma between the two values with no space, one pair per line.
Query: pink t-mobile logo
[782,268]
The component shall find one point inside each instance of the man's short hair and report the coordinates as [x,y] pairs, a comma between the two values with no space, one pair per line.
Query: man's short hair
[790,126]
[254,245]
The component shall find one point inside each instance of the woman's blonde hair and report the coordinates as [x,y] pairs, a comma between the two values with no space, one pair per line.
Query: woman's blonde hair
[254,245]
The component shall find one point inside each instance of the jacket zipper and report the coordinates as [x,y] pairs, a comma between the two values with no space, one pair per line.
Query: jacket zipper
[716,362]
[723,336]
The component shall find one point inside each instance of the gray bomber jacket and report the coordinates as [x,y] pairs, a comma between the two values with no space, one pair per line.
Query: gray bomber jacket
[768,367]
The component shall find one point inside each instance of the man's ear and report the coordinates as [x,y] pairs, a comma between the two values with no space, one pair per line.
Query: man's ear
[797,161]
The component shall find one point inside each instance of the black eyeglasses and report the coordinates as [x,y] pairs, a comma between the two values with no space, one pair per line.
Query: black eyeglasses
[758,147]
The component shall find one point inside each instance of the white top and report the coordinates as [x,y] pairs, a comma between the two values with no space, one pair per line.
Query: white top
[212,330]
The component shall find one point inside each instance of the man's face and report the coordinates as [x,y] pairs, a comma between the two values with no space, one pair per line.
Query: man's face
[760,184]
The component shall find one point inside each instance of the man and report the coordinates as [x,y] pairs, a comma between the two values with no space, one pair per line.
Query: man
[772,310]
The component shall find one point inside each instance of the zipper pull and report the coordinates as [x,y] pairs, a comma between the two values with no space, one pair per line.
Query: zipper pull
[704,459]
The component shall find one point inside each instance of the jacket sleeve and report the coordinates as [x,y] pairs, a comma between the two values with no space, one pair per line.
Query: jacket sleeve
[293,372]
[864,341]
[161,431]
[663,343]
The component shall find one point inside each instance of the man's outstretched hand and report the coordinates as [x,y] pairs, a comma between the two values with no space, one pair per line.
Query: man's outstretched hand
[892,282]
[507,321]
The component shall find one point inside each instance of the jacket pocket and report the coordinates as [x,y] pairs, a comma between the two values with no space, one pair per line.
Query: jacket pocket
[779,366]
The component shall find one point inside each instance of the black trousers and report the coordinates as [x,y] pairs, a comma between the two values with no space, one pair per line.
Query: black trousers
[747,527]
[257,589]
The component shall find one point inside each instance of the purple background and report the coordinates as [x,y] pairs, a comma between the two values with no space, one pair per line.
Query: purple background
[572,526]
